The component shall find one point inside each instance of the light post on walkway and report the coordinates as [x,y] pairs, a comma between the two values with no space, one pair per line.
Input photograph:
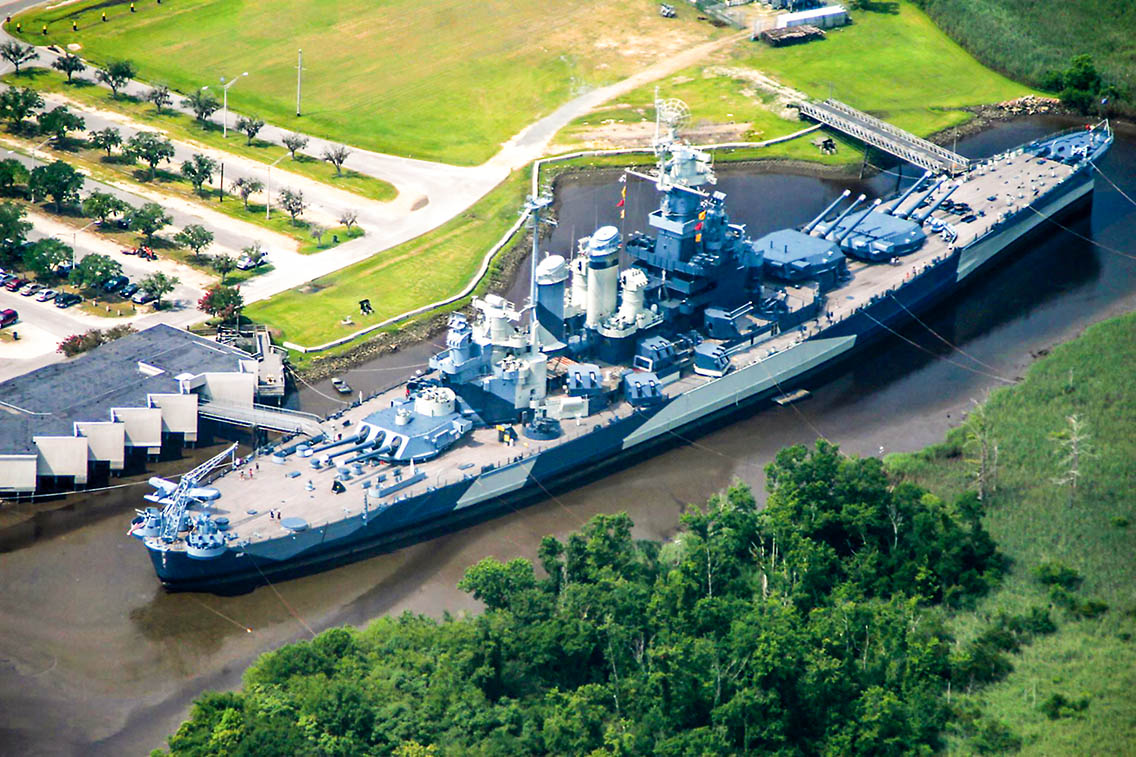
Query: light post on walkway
[225,103]
[268,188]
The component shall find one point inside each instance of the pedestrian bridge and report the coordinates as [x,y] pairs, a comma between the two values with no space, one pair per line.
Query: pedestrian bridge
[262,416]
[884,136]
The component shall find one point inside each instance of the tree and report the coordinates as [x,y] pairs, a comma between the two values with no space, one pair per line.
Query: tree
[1075,446]
[69,64]
[106,139]
[93,270]
[1081,86]
[88,340]
[12,172]
[17,54]
[198,169]
[317,233]
[148,220]
[13,227]
[295,142]
[46,255]
[292,200]
[336,155]
[348,218]
[224,264]
[253,252]
[57,180]
[980,440]
[18,104]
[151,148]
[159,285]
[203,104]
[245,186]
[160,96]
[196,237]
[116,75]
[103,205]
[221,301]
[250,125]
[58,121]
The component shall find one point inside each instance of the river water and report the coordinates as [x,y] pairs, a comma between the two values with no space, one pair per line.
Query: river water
[96,659]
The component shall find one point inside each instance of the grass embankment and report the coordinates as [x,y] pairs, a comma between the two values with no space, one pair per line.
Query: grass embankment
[1033,522]
[1026,39]
[898,66]
[185,128]
[402,278]
[440,79]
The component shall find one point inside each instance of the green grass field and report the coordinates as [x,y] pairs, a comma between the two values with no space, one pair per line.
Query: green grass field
[402,278]
[1031,520]
[441,79]
[185,129]
[899,66]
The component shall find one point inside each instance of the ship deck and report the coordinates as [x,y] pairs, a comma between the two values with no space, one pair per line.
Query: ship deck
[296,490]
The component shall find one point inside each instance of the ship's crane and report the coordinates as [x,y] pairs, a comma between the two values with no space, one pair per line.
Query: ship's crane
[181,496]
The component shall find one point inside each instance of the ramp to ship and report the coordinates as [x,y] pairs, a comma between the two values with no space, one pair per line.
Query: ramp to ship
[886,137]
[262,416]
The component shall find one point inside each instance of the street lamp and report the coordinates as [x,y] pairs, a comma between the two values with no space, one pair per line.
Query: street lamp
[268,189]
[225,105]
[75,238]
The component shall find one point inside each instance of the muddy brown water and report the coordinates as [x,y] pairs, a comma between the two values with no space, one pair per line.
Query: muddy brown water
[96,659]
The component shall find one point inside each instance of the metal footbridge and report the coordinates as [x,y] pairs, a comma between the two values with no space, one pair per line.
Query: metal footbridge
[262,416]
[886,137]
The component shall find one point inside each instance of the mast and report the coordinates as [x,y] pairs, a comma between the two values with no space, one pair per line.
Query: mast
[534,205]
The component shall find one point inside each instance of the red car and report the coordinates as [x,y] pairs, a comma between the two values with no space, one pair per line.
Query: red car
[15,284]
[8,317]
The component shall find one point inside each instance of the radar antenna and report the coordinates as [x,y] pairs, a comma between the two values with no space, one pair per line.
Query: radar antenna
[671,115]
[180,498]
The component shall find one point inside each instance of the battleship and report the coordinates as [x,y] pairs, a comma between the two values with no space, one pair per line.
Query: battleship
[626,344]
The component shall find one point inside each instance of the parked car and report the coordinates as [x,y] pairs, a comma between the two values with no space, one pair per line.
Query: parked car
[114,283]
[5,278]
[66,299]
[142,297]
[30,289]
[8,317]
[46,295]
[246,263]
[129,290]
[64,268]
[969,218]
[15,284]
[341,386]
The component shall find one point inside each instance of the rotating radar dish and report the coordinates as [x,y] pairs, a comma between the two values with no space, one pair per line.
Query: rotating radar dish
[673,112]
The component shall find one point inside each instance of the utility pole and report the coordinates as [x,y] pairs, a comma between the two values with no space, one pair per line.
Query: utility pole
[299,79]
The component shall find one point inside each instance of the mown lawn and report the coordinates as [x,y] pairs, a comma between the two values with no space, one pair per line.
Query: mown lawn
[1032,520]
[441,79]
[898,66]
[402,278]
[185,129]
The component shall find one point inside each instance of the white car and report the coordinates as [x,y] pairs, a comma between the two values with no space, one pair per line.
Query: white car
[47,295]
[245,263]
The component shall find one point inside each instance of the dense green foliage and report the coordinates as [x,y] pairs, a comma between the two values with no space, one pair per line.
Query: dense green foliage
[1027,39]
[814,626]
[1081,86]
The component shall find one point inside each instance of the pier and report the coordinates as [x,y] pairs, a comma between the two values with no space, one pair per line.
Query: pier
[884,136]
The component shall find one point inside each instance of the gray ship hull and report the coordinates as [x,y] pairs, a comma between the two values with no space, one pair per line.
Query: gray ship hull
[607,445]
